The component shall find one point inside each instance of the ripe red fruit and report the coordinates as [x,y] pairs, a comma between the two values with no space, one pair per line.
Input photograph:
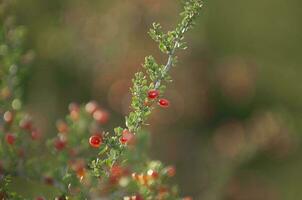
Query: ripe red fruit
[40,198]
[153,94]
[164,103]
[152,173]
[10,139]
[127,137]
[60,144]
[95,141]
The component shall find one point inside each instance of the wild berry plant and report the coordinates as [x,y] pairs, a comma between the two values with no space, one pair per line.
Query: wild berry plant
[89,161]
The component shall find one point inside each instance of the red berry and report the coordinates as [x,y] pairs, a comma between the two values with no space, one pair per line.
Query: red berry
[152,173]
[164,103]
[10,139]
[153,94]
[95,141]
[40,198]
[60,144]
[127,137]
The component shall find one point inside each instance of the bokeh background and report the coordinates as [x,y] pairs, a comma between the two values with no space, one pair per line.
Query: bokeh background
[233,129]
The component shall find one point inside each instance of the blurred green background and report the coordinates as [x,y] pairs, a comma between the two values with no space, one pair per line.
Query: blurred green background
[233,129]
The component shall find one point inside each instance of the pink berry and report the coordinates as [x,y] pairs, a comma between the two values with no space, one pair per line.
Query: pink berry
[8,117]
[95,141]
[153,94]
[35,135]
[91,107]
[164,103]
[101,116]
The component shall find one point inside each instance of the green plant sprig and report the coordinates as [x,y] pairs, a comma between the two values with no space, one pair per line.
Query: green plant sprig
[150,79]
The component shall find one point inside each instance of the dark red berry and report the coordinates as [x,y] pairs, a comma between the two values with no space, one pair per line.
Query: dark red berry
[153,94]
[10,139]
[164,103]
[60,144]
[95,141]
[40,198]
[152,173]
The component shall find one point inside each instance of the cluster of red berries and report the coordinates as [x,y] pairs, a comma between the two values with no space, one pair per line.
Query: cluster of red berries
[97,113]
[127,137]
[154,94]
[25,124]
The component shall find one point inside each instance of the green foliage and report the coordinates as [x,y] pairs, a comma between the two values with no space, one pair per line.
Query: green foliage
[152,77]
[109,161]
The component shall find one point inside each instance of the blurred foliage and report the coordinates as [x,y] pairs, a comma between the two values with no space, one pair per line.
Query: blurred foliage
[235,120]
